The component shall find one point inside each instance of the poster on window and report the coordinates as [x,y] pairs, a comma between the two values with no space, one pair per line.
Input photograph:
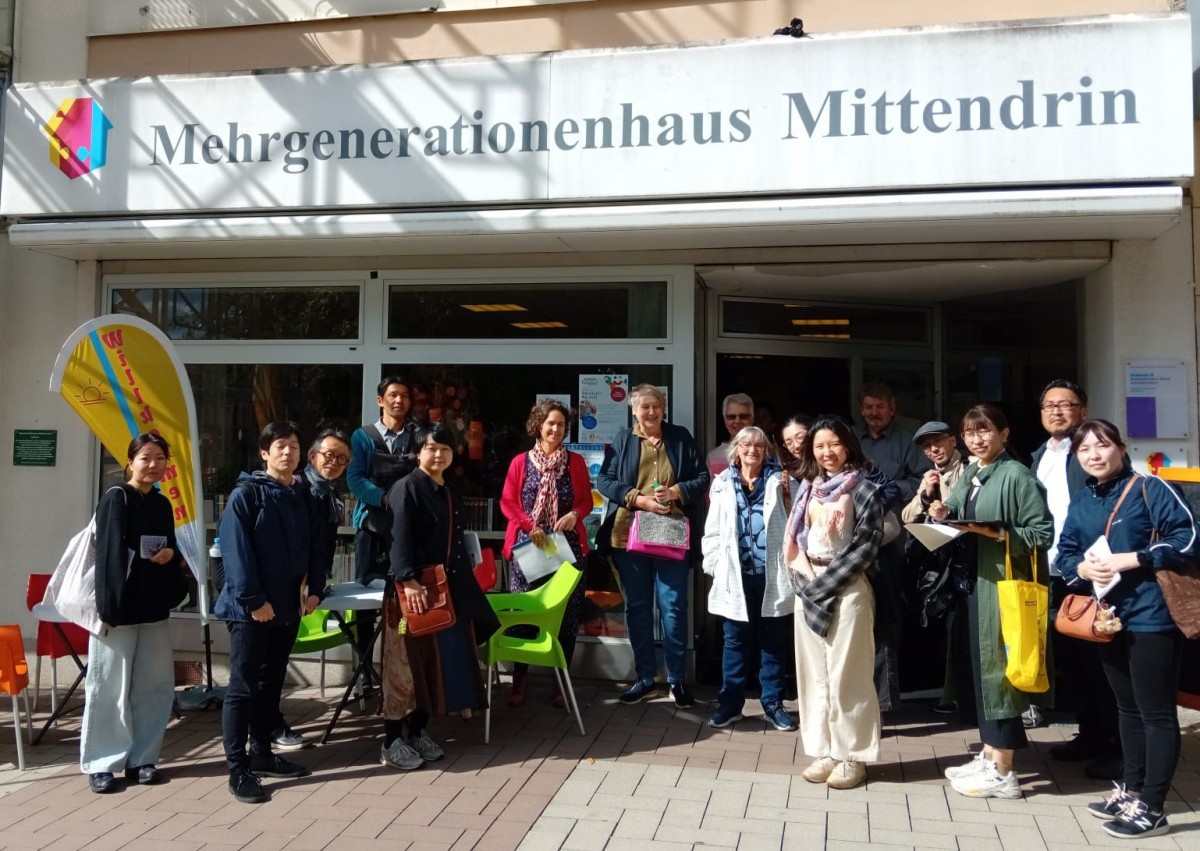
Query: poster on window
[603,407]
[563,399]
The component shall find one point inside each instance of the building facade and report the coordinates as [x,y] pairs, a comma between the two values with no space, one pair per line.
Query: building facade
[506,199]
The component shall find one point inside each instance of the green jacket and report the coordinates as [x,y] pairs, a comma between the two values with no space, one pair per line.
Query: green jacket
[1011,494]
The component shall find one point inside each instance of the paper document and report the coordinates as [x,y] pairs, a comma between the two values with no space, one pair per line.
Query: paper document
[536,563]
[1098,552]
[933,535]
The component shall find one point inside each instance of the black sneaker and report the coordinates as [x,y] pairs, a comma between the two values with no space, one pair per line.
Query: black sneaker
[724,716]
[683,697]
[638,692]
[1111,806]
[102,782]
[273,765]
[1136,821]
[144,775]
[288,739]
[948,708]
[246,788]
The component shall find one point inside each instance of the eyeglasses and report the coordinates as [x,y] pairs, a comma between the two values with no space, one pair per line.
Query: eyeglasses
[333,457]
[981,433]
[1060,406]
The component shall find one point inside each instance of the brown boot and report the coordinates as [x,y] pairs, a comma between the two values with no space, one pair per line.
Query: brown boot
[519,685]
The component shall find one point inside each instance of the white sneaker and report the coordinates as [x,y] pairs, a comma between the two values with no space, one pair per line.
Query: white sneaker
[847,775]
[400,755]
[988,783]
[820,769]
[973,767]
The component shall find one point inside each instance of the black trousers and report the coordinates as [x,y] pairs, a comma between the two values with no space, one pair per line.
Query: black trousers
[1143,670]
[1079,677]
[258,657]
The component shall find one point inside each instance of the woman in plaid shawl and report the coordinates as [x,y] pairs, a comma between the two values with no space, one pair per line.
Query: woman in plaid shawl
[830,545]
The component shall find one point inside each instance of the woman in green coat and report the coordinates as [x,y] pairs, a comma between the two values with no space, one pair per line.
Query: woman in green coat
[1008,501]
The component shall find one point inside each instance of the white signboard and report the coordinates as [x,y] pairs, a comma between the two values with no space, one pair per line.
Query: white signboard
[603,407]
[1086,101]
[1156,399]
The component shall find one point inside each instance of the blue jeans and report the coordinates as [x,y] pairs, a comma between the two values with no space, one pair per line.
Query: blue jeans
[643,580]
[772,635]
[258,657]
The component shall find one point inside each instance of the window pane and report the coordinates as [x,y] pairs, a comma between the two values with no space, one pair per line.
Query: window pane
[571,311]
[245,313]
[821,322]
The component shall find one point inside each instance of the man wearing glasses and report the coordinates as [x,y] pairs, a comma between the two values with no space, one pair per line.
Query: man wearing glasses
[328,457]
[1064,407]
[738,412]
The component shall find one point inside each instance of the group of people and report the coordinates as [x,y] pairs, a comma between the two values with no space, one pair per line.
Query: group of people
[801,547]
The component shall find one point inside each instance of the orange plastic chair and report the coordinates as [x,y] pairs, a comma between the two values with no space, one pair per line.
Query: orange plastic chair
[50,642]
[14,680]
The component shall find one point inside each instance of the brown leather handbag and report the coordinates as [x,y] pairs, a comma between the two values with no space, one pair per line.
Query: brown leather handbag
[439,607]
[1077,618]
[1180,587]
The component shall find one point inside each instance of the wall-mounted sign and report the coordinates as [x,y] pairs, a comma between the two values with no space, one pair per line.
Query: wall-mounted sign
[1156,399]
[35,447]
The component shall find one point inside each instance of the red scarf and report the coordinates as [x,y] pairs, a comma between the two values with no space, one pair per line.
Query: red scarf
[545,507]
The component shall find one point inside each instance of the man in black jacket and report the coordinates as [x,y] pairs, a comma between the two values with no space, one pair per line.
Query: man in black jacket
[1077,663]
[267,537]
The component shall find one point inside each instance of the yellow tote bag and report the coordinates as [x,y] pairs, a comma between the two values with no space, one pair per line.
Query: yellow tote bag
[1024,621]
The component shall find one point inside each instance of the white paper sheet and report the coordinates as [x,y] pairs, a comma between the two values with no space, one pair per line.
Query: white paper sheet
[536,563]
[933,535]
[1099,551]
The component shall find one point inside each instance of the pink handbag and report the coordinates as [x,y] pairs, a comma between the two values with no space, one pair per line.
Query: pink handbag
[659,535]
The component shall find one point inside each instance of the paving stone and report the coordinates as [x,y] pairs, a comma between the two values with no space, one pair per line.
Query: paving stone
[637,824]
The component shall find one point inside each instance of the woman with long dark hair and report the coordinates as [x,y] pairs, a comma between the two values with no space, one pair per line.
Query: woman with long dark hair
[1148,528]
[1009,502]
[130,683]
[830,546]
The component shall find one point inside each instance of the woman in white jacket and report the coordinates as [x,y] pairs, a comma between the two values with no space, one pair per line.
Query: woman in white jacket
[743,553]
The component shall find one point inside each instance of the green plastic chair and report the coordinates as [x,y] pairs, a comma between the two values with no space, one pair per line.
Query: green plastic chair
[543,608]
[316,635]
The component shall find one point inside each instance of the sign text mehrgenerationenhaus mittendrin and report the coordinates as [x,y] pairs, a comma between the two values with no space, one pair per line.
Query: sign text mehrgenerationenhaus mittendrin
[1102,101]
[836,113]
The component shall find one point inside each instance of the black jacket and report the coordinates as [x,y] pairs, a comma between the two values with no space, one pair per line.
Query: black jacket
[427,529]
[130,589]
[619,474]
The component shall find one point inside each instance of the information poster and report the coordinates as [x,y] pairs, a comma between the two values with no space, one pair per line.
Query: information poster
[603,407]
[563,399]
[1156,399]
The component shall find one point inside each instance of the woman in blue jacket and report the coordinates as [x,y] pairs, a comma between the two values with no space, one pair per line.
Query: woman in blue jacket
[653,467]
[1149,528]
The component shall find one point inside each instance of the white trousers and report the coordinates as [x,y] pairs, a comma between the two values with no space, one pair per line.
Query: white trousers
[835,680]
[130,686]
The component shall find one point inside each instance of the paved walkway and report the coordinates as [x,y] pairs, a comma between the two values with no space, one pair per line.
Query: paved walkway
[645,777]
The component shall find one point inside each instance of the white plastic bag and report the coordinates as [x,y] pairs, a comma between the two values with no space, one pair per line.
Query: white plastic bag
[536,563]
[72,588]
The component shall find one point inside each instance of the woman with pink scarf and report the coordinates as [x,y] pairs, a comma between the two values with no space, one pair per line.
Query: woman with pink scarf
[547,490]
[830,544]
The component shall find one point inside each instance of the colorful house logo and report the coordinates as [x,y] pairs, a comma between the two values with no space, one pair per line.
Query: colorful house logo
[78,137]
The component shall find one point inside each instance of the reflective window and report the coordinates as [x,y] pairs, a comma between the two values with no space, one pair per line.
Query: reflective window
[602,310]
[245,313]
[822,322]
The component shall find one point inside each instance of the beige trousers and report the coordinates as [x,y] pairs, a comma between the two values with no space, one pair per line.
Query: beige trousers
[835,679]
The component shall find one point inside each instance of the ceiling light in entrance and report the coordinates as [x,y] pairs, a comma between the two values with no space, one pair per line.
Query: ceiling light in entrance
[492,308]
[824,336]
[528,325]
[808,322]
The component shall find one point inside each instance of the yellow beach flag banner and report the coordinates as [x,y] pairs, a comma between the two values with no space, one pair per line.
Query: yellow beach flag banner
[123,377]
